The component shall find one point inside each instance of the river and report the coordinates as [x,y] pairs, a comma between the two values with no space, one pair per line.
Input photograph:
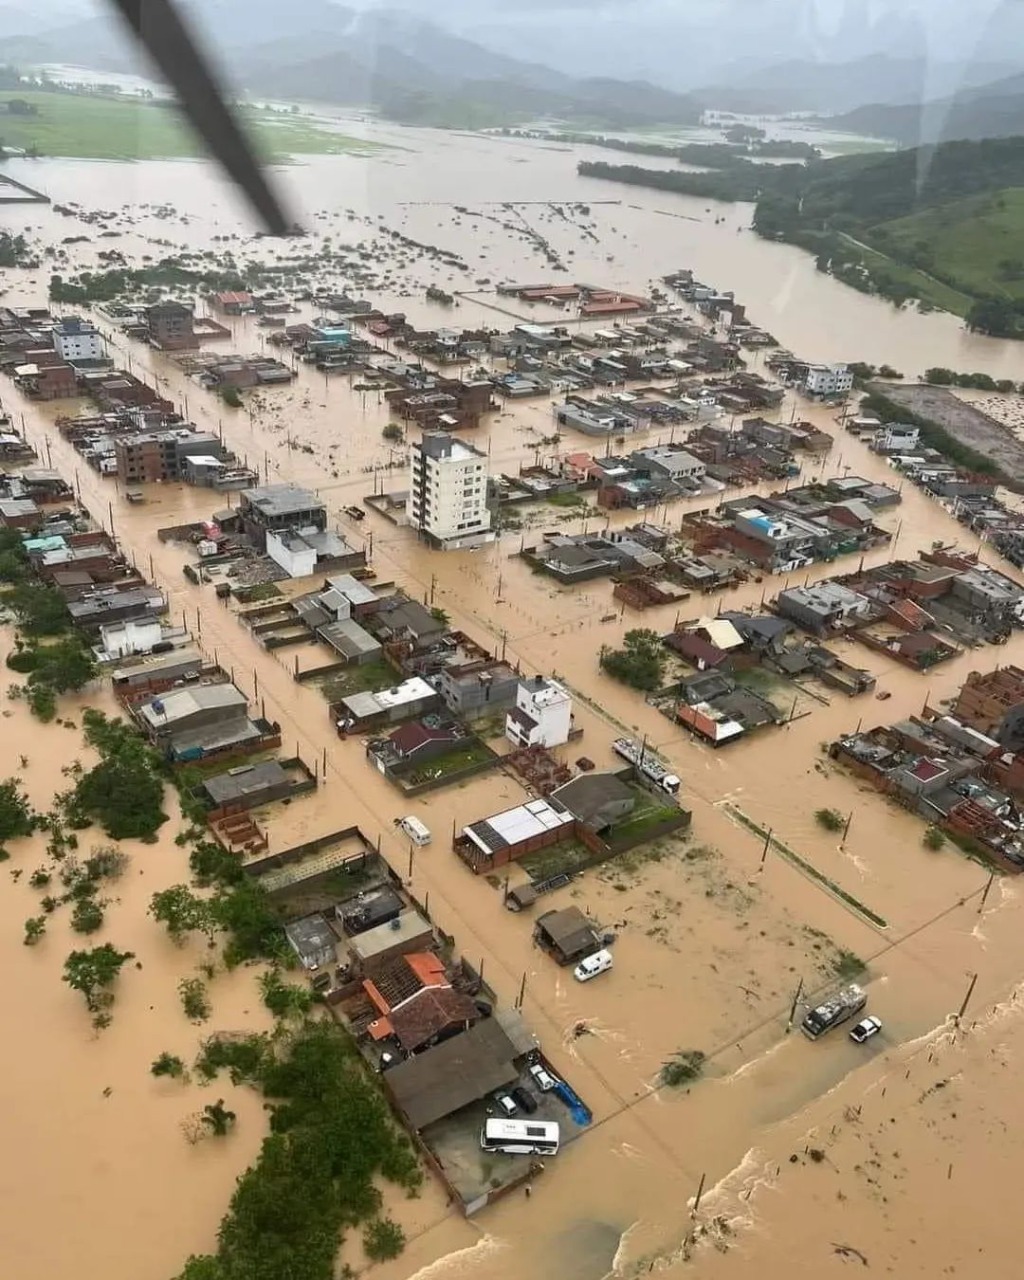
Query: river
[711,946]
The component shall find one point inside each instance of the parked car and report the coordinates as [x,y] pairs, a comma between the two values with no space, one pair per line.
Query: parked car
[505,1103]
[865,1029]
[524,1099]
[542,1078]
[599,962]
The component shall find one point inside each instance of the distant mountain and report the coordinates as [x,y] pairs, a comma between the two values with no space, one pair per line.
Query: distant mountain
[824,87]
[408,68]
[991,111]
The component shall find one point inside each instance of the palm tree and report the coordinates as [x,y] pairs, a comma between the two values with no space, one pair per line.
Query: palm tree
[218,1117]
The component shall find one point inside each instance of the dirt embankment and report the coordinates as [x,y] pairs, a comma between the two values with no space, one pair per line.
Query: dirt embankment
[967,425]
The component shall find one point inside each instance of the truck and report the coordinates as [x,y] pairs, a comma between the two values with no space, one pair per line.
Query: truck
[647,763]
[836,1009]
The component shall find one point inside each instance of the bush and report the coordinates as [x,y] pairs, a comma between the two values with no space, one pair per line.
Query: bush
[23,660]
[16,816]
[682,1067]
[168,1065]
[87,916]
[231,396]
[830,819]
[194,999]
[383,1239]
[393,432]
[42,701]
[35,927]
[283,999]
[933,838]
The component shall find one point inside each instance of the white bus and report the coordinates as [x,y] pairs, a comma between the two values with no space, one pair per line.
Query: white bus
[520,1137]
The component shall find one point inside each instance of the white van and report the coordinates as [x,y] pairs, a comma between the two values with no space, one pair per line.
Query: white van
[415,830]
[599,962]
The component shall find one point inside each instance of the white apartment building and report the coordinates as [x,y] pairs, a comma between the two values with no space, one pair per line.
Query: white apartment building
[77,339]
[542,715]
[829,380]
[447,498]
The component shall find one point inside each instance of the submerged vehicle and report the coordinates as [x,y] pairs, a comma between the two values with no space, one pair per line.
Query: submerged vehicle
[836,1009]
[865,1029]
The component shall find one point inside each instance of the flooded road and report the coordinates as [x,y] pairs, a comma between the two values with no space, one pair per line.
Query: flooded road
[710,945]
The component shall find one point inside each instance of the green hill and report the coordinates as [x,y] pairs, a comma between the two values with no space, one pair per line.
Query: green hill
[943,224]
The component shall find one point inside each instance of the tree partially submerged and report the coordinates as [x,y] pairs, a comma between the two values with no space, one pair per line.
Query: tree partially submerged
[640,663]
[94,973]
[124,792]
[331,1138]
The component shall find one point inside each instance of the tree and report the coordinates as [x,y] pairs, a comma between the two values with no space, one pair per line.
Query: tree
[383,1239]
[641,661]
[283,999]
[66,665]
[87,916]
[218,1118]
[682,1067]
[94,972]
[194,999]
[231,397]
[16,816]
[40,609]
[42,701]
[182,912]
[830,819]
[393,432]
[35,927]
[168,1065]
[124,793]
[939,377]
[247,913]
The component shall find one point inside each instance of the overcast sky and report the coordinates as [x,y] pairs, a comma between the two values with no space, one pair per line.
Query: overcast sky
[687,42]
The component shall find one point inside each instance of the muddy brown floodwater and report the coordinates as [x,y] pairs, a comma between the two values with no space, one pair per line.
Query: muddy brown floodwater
[710,945]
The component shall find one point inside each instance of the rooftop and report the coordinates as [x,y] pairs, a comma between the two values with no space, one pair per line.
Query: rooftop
[179,704]
[244,781]
[281,500]
[513,826]
[441,445]
[451,1075]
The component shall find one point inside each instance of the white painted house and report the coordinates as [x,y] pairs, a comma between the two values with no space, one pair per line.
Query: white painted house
[542,715]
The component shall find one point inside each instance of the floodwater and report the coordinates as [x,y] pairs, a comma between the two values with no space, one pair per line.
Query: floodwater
[710,946]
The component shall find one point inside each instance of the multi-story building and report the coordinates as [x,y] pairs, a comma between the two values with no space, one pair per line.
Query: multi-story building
[279,507]
[828,380]
[542,715]
[447,499]
[76,339]
[153,456]
[169,326]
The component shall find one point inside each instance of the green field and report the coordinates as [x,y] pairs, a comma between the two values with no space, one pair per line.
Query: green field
[920,283]
[91,126]
[978,242]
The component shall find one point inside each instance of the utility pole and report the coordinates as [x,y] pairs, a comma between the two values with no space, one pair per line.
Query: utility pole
[970,992]
[767,845]
[792,1007]
[846,829]
[984,896]
[696,1199]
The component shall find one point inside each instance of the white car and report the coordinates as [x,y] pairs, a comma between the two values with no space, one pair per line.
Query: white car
[865,1029]
[599,962]
[543,1078]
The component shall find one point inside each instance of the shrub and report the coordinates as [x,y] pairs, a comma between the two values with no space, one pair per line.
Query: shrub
[35,927]
[383,1239]
[682,1067]
[194,999]
[168,1065]
[933,838]
[830,819]
[87,916]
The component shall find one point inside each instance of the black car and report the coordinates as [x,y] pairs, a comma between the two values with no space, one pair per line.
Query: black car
[524,1099]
